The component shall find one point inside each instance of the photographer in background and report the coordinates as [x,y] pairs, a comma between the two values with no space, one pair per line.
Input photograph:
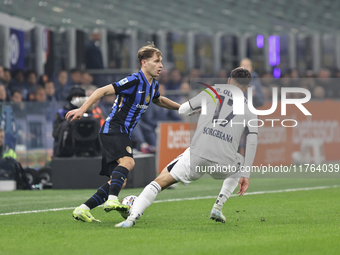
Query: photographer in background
[80,138]
[59,119]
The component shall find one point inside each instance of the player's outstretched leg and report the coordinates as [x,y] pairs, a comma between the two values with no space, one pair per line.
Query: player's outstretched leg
[228,187]
[146,198]
[118,176]
[82,212]
[143,201]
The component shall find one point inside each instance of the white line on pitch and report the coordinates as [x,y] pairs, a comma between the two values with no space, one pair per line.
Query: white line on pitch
[249,193]
[188,198]
[38,211]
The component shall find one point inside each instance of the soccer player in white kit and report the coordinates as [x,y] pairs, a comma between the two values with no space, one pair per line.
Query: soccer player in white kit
[213,149]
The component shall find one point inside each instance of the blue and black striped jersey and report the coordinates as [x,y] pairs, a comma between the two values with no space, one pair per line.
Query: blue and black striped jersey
[134,94]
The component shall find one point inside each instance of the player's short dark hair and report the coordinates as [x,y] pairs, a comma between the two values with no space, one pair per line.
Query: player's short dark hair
[147,51]
[241,76]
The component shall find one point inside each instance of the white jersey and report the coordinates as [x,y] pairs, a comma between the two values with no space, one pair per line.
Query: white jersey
[219,131]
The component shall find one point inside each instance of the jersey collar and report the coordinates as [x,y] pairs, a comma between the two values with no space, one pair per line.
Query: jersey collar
[146,79]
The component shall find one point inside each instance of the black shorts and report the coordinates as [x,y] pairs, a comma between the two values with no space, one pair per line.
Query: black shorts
[114,146]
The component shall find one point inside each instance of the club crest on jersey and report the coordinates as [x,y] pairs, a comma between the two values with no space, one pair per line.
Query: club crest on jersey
[147,100]
[123,81]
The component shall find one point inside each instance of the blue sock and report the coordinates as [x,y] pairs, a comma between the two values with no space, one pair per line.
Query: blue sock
[118,177]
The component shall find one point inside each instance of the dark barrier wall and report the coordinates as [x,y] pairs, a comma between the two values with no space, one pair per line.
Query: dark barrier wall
[83,173]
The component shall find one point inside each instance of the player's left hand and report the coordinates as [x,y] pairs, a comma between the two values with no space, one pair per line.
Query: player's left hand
[243,184]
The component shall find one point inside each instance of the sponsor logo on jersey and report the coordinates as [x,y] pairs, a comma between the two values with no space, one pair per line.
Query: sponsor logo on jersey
[142,106]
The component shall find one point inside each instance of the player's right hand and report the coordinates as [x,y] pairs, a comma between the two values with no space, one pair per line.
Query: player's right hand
[76,113]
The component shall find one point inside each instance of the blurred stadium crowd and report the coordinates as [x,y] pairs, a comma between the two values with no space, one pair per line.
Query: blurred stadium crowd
[27,86]
[18,87]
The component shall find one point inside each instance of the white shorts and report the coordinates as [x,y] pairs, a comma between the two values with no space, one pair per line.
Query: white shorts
[181,171]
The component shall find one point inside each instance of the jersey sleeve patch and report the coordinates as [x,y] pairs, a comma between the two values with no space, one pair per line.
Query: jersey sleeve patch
[126,85]
[123,81]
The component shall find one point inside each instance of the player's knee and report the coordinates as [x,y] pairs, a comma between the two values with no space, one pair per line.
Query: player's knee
[127,162]
[165,179]
[131,164]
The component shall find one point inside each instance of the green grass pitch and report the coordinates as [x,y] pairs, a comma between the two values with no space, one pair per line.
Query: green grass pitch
[296,222]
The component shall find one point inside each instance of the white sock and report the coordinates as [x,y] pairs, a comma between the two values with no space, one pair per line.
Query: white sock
[144,200]
[84,206]
[228,187]
[112,197]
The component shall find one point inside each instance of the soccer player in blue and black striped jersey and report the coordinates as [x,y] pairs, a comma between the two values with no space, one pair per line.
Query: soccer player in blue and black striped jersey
[134,94]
